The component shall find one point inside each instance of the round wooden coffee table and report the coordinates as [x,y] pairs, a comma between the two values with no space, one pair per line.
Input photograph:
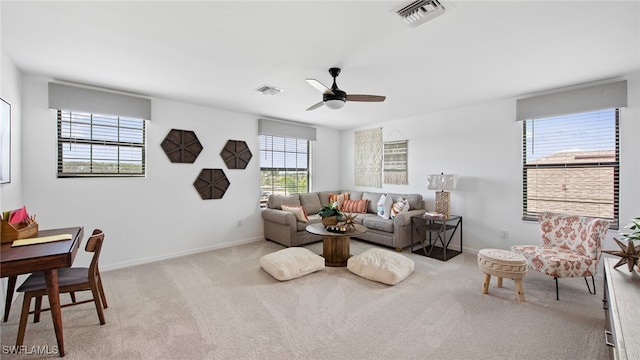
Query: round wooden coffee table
[335,246]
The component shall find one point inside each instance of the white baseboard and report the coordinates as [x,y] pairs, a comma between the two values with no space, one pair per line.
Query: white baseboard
[178,254]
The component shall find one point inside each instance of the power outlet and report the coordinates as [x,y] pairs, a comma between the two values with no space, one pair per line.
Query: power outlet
[504,234]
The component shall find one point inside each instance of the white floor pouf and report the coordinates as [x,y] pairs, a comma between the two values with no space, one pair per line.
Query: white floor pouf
[291,263]
[380,265]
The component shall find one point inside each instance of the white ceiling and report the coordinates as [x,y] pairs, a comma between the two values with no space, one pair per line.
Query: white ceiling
[217,53]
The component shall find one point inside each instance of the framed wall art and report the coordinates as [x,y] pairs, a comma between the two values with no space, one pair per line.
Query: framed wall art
[5,142]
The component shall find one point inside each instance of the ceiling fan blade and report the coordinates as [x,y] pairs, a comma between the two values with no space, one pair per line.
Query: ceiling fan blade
[366,98]
[315,106]
[320,86]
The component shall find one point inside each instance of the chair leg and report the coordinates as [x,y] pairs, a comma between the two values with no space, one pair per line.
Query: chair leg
[73,296]
[26,304]
[593,281]
[557,292]
[98,303]
[101,289]
[36,312]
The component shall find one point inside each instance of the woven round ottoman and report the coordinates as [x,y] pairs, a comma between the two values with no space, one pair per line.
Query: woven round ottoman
[502,264]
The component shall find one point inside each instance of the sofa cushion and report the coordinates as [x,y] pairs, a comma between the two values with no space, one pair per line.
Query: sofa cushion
[313,218]
[378,223]
[311,202]
[291,263]
[355,195]
[373,201]
[298,211]
[276,201]
[381,265]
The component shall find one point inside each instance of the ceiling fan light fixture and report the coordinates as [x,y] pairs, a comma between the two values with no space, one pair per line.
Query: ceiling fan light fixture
[334,103]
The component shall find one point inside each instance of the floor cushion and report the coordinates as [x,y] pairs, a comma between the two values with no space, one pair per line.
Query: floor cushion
[291,263]
[381,265]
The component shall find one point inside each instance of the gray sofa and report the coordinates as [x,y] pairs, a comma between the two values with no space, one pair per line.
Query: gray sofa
[283,227]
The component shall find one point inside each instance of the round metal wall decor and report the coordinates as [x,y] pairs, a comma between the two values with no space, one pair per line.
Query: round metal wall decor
[211,184]
[236,154]
[181,146]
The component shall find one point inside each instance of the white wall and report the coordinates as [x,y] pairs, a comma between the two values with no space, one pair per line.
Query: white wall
[482,145]
[161,215]
[11,193]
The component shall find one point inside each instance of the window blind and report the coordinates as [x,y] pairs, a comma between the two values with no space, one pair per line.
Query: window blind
[571,165]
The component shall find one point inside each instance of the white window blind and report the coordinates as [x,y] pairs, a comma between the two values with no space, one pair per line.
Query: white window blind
[571,165]
[100,145]
[284,165]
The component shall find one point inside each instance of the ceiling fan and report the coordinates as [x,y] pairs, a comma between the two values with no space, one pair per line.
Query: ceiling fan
[335,98]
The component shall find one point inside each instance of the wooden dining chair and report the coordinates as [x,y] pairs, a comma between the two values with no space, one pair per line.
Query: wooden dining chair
[70,280]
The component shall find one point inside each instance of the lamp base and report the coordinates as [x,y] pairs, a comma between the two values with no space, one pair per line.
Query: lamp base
[443,203]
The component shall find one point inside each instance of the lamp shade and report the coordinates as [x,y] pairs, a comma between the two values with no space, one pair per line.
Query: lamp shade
[442,182]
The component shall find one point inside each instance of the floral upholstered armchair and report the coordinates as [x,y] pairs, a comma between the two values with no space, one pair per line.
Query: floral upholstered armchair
[571,247]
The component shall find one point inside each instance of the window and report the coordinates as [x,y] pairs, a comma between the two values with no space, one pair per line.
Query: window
[571,165]
[284,166]
[100,145]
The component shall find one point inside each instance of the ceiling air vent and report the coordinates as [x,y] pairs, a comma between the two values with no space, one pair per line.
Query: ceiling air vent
[269,90]
[418,12]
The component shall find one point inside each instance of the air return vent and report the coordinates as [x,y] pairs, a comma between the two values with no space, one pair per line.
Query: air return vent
[418,12]
[269,90]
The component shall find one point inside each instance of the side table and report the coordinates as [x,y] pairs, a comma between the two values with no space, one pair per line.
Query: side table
[439,231]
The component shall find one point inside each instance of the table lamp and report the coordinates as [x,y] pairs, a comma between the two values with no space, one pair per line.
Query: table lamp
[442,184]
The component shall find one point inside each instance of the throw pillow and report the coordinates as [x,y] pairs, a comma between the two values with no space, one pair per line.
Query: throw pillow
[384,206]
[401,205]
[298,211]
[340,198]
[355,206]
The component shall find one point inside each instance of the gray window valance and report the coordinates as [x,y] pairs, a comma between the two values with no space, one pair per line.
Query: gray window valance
[591,98]
[65,97]
[286,129]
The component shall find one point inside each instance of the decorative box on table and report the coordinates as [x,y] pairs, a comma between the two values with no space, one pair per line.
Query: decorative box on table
[17,231]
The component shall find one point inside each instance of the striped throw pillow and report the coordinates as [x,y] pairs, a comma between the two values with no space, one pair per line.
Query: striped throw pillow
[355,206]
[340,198]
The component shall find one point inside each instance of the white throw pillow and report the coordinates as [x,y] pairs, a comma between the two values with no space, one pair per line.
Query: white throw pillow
[384,206]
[291,263]
[298,211]
[381,265]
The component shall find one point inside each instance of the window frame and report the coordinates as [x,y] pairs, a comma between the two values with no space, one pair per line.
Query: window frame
[528,215]
[68,140]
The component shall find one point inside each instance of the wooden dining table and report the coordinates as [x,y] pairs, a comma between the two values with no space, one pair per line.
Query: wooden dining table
[45,257]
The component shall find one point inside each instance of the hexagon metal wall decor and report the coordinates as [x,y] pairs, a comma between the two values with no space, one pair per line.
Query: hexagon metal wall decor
[211,184]
[236,154]
[181,146]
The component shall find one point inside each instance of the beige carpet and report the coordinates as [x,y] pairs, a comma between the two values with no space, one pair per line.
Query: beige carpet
[222,305]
